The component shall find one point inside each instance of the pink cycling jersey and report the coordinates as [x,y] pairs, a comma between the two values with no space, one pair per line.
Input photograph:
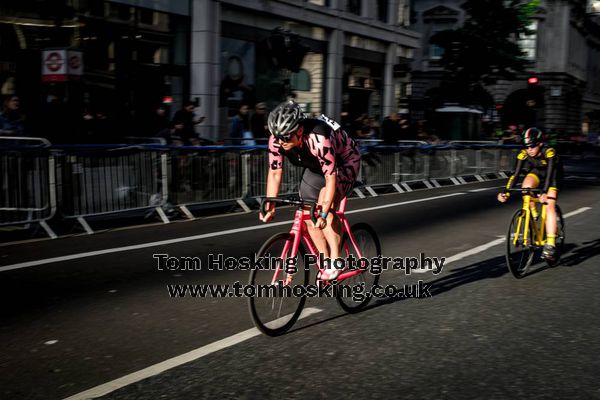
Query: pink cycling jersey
[323,151]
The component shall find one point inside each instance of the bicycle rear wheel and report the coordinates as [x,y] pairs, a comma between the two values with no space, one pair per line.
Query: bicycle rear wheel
[560,237]
[276,308]
[519,256]
[359,285]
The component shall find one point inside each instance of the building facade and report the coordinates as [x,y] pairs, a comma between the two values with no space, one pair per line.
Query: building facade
[564,53]
[356,54]
[136,54]
[130,55]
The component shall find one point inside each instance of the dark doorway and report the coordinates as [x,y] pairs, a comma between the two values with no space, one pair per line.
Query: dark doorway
[524,107]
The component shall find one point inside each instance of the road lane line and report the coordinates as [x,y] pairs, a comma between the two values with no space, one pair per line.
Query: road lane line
[488,245]
[171,363]
[195,237]
[403,203]
[474,250]
[482,189]
[578,211]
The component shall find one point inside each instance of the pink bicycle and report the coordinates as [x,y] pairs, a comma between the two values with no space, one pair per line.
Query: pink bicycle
[275,311]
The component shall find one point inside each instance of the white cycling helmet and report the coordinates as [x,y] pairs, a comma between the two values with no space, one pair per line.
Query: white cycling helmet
[285,119]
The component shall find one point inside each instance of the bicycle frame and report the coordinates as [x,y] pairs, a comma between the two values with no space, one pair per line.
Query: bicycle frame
[539,239]
[299,232]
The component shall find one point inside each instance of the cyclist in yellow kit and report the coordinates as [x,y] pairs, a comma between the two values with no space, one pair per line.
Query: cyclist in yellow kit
[541,164]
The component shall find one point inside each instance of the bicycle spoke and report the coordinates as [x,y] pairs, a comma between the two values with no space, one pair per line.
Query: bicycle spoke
[272,310]
[367,245]
[518,255]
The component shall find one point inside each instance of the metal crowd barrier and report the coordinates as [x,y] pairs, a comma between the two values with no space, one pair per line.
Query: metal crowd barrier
[227,173]
[27,182]
[100,179]
[82,181]
[384,165]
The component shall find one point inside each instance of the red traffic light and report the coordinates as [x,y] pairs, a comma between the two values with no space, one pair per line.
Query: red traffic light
[533,80]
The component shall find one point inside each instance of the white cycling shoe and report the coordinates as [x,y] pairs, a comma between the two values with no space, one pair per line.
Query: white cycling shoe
[332,270]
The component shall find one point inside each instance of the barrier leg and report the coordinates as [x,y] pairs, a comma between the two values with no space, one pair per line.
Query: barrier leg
[187,212]
[48,230]
[85,225]
[162,215]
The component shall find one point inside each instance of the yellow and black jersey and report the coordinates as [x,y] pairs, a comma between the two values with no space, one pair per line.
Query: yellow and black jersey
[546,166]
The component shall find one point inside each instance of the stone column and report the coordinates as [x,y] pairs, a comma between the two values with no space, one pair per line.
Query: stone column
[205,64]
[334,74]
[389,100]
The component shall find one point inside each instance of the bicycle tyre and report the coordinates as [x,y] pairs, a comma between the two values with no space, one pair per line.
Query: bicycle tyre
[368,242]
[519,258]
[276,322]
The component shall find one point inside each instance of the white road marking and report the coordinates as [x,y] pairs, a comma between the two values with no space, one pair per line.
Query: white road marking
[176,361]
[578,211]
[474,250]
[493,243]
[482,189]
[195,237]
[135,247]
[403,203]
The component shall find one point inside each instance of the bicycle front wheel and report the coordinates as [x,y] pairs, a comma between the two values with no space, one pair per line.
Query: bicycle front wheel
[276,306]
[518,255]
[355,293]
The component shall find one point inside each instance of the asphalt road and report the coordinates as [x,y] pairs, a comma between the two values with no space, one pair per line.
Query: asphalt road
[71,325]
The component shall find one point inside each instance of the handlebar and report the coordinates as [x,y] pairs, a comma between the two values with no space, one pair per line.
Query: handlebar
[532,190]
[299,203]
[529,190]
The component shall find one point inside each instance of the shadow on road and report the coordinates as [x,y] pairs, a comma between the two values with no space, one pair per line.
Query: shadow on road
[580,254]
[487,269]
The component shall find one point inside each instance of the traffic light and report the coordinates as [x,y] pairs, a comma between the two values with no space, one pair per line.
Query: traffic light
[533,80]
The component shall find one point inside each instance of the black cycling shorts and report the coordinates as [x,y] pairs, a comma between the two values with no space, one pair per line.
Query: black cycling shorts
[311,185]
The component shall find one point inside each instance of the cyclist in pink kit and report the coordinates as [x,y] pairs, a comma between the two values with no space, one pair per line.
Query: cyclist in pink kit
[331,160]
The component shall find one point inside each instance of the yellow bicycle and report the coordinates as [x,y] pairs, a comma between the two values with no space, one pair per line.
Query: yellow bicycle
[527,235]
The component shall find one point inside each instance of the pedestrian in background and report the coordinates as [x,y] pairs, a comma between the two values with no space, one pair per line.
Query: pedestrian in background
[258,122]
[184,122]
[390,129]
[240,126]
[12,119]
[159,124]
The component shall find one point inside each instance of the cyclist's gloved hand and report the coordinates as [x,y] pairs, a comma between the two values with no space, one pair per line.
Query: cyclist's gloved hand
[544,198]
[321,223]
[503,197]
[268,216]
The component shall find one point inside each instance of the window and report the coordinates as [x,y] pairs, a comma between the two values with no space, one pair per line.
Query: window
[436,52]
[382,10]
[354,6]
[146,16]
[120,11]
[528,42]
[301,81]
[403,13]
